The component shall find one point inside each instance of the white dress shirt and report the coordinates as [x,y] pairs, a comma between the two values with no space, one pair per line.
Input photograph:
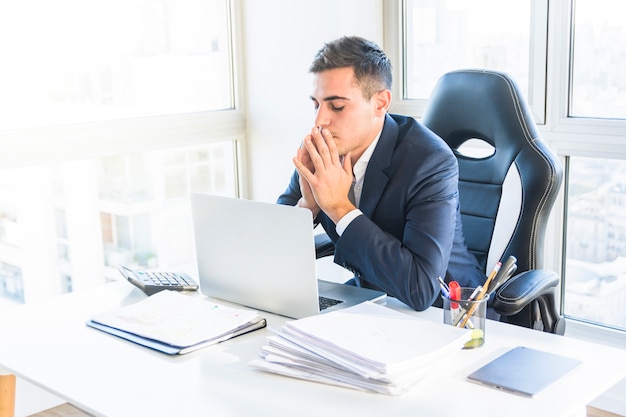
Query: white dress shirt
[358,169]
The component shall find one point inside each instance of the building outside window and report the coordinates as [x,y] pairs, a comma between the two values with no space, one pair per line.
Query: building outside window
[113,113]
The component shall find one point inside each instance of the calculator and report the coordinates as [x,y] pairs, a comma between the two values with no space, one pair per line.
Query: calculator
[151,282]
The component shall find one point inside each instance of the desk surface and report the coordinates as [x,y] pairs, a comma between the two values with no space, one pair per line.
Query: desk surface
[49,345]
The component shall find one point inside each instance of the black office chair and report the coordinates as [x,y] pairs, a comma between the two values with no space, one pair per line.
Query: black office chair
[506,197]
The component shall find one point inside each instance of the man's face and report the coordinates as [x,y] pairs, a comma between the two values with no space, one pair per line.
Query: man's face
[341,108]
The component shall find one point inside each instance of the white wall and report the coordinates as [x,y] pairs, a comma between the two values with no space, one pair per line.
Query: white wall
[280,39]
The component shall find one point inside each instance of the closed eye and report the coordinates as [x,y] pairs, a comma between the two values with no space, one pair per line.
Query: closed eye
[332,107]
[330,100]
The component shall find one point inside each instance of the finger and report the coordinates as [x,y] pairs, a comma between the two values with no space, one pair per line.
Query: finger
[303,170]
[320,144]
[303,154]
[303,161]
[313,154]
[332,146]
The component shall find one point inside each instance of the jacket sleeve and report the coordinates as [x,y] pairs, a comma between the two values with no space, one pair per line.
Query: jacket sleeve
[292,194]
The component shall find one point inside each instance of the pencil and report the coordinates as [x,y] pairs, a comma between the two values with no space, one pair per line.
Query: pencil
[481,294]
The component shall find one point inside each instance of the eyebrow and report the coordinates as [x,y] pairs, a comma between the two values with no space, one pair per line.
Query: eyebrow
[331,98]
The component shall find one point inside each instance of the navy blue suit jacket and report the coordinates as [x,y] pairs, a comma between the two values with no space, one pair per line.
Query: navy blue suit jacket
[411,230]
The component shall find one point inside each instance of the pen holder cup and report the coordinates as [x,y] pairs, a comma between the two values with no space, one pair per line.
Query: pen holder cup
[468,314]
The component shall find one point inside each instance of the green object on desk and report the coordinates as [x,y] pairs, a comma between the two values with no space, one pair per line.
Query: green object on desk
[477,340]
[474,343]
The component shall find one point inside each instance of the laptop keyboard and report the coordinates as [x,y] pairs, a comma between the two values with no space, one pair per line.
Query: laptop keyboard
[326,302]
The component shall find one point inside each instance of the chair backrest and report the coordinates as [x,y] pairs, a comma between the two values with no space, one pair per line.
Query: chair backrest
[505,197]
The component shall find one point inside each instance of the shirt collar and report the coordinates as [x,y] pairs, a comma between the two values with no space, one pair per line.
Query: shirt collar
[360,166]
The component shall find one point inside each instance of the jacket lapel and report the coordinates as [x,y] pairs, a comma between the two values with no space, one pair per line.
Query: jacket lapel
[376,175]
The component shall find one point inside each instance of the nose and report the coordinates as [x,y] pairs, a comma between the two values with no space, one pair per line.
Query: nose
[322,117]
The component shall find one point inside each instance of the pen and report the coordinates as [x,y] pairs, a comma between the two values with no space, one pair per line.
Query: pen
[444,287]
[506,271]
[465,317]
[482,292]
[471,298]
[443,284]
[495,270]
[475,293]
[455,295]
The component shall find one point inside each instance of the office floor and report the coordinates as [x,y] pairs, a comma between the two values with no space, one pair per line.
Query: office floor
[32,401]
[63,410]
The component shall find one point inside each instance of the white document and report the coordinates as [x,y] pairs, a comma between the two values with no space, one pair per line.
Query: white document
[367,346]
[177,319]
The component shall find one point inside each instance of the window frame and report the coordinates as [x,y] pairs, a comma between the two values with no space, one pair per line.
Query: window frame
[574,136]
[395,25]
[570,135]
[567,136]
[32,146]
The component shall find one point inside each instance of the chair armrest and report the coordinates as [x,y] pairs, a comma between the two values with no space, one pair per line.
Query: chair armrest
[323,246]
[520,290]
[535,292]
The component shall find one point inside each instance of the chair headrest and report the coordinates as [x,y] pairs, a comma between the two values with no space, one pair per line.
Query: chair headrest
[486,105]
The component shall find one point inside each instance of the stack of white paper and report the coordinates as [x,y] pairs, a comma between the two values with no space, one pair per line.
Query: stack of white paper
[174,323]
[368,347]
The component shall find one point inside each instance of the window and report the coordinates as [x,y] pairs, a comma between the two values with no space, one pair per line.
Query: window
[76,61]
[94,223]
[598,59]
[594,273]
[444,35]
[578,100]
[595,266]
[113,113]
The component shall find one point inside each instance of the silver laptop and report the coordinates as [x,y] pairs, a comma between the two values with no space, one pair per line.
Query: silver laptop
[262,255]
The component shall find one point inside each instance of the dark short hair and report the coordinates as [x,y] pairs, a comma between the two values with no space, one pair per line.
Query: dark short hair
[372,67]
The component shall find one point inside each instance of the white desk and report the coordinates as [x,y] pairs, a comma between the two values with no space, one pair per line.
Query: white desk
[49,345]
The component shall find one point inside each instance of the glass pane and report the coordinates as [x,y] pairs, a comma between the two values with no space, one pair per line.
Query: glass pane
[175,183]
[444,35]
[107,228]
[75,61]
[595,266]
[61,225]
[599,61]
[11,286]
[122,232]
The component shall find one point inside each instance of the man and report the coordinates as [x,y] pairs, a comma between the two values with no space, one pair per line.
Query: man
[402,228]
